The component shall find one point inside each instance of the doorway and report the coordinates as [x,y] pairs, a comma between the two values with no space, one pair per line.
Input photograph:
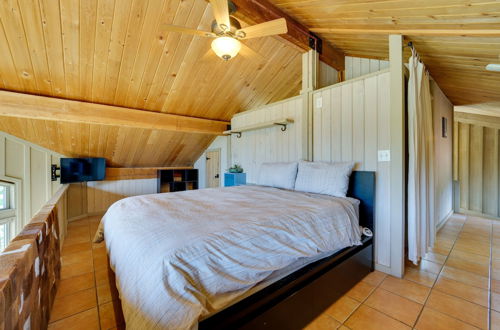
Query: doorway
[213,168]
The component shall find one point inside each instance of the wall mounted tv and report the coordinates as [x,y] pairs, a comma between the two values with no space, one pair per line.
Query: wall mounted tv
[82,169]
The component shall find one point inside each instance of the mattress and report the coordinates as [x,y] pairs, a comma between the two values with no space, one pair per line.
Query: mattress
[181,257]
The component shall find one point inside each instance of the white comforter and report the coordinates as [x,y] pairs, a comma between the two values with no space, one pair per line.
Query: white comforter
[179,257]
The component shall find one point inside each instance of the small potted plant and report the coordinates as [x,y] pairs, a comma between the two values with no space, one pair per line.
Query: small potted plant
[235,169]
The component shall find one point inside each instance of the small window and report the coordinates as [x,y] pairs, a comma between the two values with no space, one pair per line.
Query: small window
[5,238]
[7,214]
[4,197]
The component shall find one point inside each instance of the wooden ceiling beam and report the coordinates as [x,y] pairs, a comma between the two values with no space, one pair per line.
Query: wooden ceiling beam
[47,108]
[260,11]
[415,32]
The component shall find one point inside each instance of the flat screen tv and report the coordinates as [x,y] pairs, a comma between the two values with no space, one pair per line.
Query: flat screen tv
[82,169]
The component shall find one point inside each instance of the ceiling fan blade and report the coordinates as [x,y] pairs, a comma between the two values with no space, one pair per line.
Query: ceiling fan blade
[221,12]
[181,29]
[277,26]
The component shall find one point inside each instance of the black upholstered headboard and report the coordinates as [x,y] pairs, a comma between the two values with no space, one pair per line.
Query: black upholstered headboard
[362,187]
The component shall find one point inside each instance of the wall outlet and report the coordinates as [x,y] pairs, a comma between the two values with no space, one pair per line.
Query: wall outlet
[384,155]
[319,102]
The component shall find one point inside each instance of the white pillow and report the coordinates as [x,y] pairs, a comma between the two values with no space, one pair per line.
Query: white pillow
[324,178]
[279,175]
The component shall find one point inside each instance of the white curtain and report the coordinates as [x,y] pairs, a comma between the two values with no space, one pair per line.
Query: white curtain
[421,222]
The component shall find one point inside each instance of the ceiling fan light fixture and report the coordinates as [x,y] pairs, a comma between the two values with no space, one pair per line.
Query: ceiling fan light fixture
[493,67]
[226,47]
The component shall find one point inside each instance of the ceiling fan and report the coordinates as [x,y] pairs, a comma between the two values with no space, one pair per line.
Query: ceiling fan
[227,30]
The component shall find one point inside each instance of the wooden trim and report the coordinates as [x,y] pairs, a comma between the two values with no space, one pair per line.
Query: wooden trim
[475,119]
[47,108]
[118,173]
[414,32]
[259,11]
[397,148]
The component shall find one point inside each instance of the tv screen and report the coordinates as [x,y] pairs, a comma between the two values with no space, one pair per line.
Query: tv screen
[82,169]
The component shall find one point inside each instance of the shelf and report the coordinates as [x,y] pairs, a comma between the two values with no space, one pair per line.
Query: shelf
[280,122]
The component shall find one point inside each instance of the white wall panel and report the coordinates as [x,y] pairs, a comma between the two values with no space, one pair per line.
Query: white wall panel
[28,167]
[102,194]
[269,144]
[356,66]
[351,125]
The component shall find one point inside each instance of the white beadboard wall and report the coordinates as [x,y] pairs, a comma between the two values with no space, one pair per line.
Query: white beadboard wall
[270,144]
[102,194]
[27,166]
[327,75]
[352,125]
[356,66]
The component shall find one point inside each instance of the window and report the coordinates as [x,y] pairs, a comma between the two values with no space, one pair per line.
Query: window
[4,197]
[7,214]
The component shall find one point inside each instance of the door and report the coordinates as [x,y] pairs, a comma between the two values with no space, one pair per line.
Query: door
[213,168]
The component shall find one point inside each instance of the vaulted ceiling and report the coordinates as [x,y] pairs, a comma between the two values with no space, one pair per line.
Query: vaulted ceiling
[456,62]
[115,52]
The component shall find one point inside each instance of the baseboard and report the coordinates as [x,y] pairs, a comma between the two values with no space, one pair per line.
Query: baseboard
[383,269]
[478,214]
[93,214]
[443,222]
[79,217]
[89,214]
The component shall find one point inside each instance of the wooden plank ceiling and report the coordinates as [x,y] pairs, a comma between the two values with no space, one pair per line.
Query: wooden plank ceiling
[358,28]
[114,52]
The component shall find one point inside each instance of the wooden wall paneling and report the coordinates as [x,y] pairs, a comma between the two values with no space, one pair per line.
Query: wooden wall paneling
[455,150]
[450,36]
[269,144]
[12,24]
[105,48]
[371,117]
[8,75]
[478,157]
[358,123]
[490,171]
[102,194]
[318,127]
[357,66]
[336,103]
[175,46]
[347,132]
[365,103]
[30,21]
[173,80]
[476,169]
[70,25]
[158,12]
[463,164]
[140,13]
[88,19]
[383,210]
[51,24]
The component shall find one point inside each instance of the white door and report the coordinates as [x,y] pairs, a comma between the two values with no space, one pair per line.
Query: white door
[213,168]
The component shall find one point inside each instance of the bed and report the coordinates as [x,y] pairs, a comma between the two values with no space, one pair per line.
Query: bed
[233,257]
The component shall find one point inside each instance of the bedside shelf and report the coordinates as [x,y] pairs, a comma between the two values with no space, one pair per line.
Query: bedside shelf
[177,180]
[235,179]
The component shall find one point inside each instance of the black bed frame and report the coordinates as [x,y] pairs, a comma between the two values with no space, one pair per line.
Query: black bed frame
[297,299]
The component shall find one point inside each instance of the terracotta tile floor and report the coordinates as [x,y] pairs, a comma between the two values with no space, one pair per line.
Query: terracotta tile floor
[86,297]
[457,285]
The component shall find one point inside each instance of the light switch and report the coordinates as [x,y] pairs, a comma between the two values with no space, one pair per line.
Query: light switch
[384,155]
[319,102]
